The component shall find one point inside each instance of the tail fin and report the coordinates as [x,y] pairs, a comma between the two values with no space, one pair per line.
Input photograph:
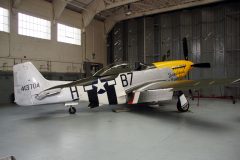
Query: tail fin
[28,82]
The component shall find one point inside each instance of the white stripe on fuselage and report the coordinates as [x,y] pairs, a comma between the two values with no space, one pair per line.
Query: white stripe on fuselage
[83,96]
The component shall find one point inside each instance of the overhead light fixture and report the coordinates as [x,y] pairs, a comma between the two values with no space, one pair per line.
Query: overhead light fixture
[128,12]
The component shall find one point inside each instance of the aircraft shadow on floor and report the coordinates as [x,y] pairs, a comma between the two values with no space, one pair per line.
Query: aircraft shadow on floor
[187,119]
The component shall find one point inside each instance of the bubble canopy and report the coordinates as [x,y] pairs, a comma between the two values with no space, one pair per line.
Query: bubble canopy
[113,69]
[121,67]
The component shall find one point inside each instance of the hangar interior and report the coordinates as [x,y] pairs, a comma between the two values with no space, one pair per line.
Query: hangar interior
[71,39]
[212,32]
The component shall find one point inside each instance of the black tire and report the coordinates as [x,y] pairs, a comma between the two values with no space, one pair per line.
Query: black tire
[182,108]
[72,110]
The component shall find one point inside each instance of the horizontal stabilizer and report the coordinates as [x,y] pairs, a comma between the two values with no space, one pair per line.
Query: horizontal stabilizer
[201,65]
[47,93]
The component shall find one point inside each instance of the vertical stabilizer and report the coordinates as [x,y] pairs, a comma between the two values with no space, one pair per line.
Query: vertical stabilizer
[28,82]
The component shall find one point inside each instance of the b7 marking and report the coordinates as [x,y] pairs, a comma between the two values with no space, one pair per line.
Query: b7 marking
[126,79]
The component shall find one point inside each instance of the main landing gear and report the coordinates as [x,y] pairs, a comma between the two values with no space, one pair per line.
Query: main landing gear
[72,110]
[182,103]
[93,105]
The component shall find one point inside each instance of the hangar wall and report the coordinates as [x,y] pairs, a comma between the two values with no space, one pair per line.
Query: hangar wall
[50,55]
[56,60]
[213,34]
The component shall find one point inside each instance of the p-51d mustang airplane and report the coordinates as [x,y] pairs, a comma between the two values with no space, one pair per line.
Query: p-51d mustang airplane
[114,84]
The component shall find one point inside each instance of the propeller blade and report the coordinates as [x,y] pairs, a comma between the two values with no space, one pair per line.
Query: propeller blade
[185,48]
[201,65]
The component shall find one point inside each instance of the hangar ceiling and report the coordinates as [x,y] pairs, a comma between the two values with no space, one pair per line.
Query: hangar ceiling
[112,11]
[147,7]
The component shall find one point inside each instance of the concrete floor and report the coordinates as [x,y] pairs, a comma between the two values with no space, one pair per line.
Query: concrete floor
[209,132]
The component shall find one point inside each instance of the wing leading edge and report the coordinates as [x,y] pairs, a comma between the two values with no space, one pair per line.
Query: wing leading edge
[185,84]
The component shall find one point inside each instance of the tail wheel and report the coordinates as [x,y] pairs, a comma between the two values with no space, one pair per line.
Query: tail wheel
[72,110]
[183,108]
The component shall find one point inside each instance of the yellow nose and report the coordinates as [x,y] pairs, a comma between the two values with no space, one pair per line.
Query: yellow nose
[179,67]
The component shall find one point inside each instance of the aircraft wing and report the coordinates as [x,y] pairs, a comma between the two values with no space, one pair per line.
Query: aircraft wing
[183,84]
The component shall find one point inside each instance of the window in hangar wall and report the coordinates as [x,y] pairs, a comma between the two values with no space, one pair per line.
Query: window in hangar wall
[33,26]
[68,34]
[4,20]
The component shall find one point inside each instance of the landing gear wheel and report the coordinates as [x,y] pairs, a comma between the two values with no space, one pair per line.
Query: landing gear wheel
[72,110]
[183,108]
